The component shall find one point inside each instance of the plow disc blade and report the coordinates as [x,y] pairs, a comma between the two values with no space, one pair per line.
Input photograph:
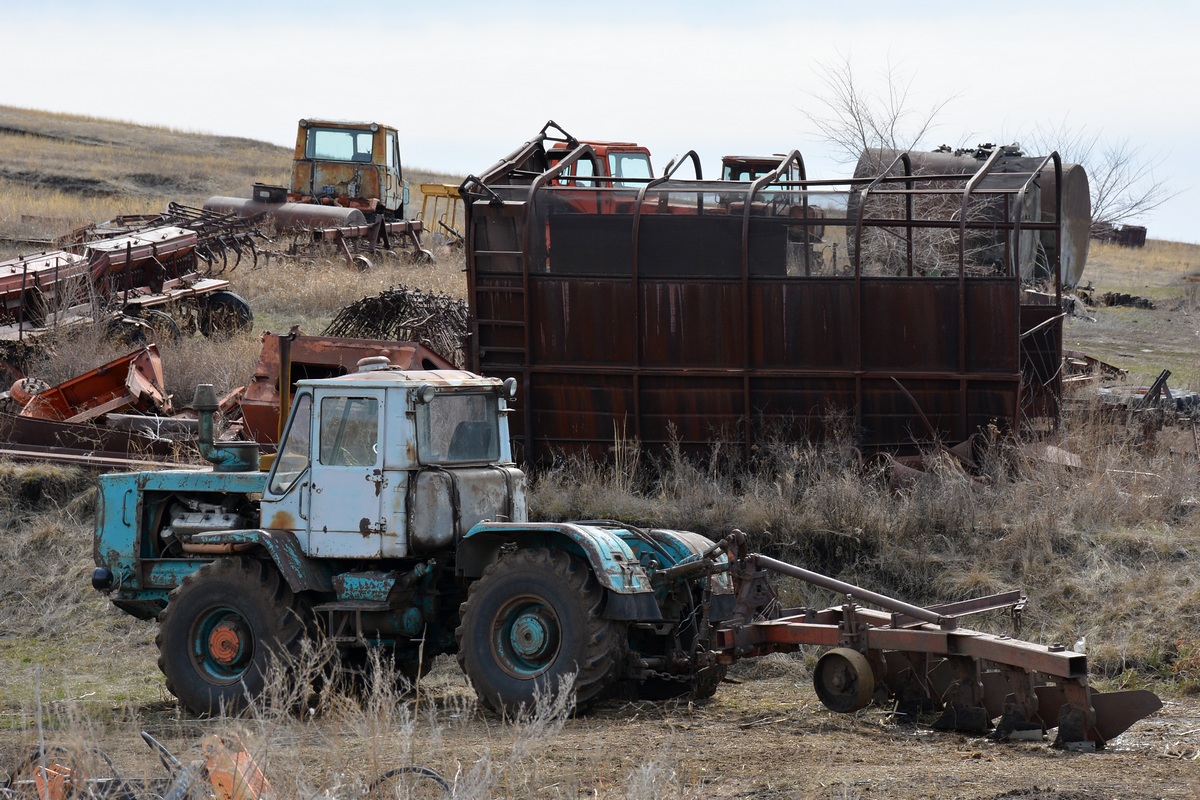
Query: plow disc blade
[1116,711]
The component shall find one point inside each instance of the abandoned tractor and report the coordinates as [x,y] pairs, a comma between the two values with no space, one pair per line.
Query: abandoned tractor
[347,188]
[394,518]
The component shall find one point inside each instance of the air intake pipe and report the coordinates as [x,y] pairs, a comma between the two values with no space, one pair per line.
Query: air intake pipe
[226,457]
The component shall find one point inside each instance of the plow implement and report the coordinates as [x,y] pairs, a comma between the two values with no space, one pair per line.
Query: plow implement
[921,660]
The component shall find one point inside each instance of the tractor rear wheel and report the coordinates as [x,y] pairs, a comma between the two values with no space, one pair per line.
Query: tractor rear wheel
[532,619]
[222,627]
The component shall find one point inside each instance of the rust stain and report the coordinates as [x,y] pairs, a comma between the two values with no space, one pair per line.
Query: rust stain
[282,520]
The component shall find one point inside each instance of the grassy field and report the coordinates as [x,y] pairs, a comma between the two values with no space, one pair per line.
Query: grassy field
[1107,552]
[1140,340]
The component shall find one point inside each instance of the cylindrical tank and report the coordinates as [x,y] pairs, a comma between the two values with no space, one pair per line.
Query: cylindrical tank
[289,215]
[1077,205]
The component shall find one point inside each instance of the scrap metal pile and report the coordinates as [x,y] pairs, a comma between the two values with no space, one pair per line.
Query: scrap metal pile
[436,320]
[225,770]
[116,416]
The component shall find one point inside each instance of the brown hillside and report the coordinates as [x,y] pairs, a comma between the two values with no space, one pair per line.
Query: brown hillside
[58,171]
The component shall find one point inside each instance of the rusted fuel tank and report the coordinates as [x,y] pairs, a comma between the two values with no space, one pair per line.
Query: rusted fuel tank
[289,216]
[1037,250]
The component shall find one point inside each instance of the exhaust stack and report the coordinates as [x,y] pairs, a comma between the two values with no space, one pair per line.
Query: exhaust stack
[228,456]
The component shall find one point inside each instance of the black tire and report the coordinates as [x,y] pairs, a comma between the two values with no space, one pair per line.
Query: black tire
[533,618]
[220,628]
[163,327]
[225,313]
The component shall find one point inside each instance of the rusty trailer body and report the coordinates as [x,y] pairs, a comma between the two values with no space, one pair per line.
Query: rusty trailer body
[676,310]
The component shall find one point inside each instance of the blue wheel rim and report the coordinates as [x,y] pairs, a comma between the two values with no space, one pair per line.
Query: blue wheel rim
[526,637]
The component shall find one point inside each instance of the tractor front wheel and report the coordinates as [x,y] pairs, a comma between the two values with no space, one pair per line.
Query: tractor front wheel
[532,619]
[221,628]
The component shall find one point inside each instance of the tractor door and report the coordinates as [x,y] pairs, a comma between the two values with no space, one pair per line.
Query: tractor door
[348,484]
[393,192]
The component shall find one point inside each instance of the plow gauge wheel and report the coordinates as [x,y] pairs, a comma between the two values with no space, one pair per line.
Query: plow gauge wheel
[844,680]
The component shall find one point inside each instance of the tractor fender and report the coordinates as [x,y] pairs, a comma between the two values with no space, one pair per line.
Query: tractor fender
[301,572]
[627,586]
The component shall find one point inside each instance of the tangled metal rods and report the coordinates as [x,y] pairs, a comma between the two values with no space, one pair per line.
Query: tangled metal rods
[436,320]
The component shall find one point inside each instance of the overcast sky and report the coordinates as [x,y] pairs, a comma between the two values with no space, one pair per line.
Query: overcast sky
[466,82]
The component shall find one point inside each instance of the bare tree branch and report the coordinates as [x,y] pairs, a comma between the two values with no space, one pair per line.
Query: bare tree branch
[854,119]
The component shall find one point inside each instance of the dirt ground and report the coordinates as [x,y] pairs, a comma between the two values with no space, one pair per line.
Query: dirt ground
[763,736]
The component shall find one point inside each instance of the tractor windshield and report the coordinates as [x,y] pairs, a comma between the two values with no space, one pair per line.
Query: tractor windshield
[629,165]
[458,429]
[335,144]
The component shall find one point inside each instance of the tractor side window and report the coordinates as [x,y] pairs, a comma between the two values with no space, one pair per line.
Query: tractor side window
[458,429]
[583,167]
[364,145]
[292,459]
[629,165]
[349,431]
[574,174]
[391,151]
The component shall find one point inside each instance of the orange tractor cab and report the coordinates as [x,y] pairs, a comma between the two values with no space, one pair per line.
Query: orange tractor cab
[349,164]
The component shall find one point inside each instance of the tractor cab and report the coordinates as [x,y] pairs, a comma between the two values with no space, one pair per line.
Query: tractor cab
[349,164]
[388,463]
[618,164]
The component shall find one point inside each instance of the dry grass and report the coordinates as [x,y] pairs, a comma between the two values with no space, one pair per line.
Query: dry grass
[286,292]
[1120,533]
[1156,270]
[1140,340]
